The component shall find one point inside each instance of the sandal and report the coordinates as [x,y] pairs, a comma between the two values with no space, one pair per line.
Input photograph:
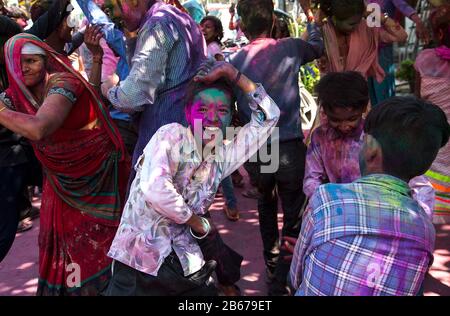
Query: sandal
[231,213]
[229,290]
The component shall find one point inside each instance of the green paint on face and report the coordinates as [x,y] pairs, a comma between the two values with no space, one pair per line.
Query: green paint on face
[213,108]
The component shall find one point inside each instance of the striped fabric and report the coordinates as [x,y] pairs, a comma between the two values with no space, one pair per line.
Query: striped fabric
[441,184]
[435,87]
[365,238]
[437,90]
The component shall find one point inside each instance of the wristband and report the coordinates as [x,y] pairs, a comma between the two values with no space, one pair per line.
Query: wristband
[3,108]
[208,229]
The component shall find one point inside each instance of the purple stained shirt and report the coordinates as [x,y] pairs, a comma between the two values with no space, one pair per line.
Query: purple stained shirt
[334,158]
[365,238]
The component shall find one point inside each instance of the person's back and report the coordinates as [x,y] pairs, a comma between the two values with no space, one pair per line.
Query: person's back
[370,237]
[276,65]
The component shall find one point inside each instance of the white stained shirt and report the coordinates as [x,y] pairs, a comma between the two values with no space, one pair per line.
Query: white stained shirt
[172,182]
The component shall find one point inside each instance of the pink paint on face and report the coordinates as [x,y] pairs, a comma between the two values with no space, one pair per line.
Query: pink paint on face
[211,107]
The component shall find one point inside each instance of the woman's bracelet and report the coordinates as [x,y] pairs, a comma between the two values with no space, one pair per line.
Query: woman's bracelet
[3,108]
[208,229]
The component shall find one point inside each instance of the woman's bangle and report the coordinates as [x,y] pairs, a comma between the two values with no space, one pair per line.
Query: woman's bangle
[3,108]
[208,229]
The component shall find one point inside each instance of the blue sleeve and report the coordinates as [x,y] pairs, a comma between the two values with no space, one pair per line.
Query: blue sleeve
[313,48]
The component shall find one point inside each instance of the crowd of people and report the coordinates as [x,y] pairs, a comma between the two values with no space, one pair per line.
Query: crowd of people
[130,152]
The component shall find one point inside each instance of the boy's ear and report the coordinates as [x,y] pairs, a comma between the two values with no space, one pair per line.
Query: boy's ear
[373,154]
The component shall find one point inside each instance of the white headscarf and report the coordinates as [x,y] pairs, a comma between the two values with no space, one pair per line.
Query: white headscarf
[29,48]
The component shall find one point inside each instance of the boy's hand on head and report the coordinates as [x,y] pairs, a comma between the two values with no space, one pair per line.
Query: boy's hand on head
[211,71]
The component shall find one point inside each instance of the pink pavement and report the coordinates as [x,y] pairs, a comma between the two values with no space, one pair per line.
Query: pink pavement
[19,270]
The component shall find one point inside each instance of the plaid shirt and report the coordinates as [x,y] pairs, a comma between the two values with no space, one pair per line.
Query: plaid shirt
[368,237]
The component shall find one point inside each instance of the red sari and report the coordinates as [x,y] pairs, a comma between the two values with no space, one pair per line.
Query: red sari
[85,176]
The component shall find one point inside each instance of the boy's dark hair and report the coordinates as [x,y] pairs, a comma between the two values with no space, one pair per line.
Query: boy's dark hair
[217,26]
[343,89]
[281,29]
[342,9]
[410,132]
[256,16]
[194,88]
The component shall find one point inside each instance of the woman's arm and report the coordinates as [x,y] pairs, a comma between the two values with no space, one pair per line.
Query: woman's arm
[92,38]
[392,32]
[50,116]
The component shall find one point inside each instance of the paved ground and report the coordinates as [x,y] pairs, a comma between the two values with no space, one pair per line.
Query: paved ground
[18,272]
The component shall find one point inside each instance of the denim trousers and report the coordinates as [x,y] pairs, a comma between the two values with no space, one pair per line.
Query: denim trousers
[228,192]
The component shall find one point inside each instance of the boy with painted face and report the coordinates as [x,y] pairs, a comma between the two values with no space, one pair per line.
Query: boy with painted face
[164,224]
[332,156]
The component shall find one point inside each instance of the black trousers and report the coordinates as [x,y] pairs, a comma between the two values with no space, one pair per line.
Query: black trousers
[170,281]
[285,184]
[14,199]
[129,134]
[228,270]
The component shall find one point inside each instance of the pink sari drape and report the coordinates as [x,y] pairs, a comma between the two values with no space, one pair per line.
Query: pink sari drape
[363,51]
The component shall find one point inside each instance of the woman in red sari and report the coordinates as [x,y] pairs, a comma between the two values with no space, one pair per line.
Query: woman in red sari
[83,159]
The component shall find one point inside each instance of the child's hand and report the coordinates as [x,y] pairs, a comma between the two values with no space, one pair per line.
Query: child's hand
[289,245]
[211,71]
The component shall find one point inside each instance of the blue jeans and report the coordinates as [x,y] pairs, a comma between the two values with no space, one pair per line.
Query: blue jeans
[228,192]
